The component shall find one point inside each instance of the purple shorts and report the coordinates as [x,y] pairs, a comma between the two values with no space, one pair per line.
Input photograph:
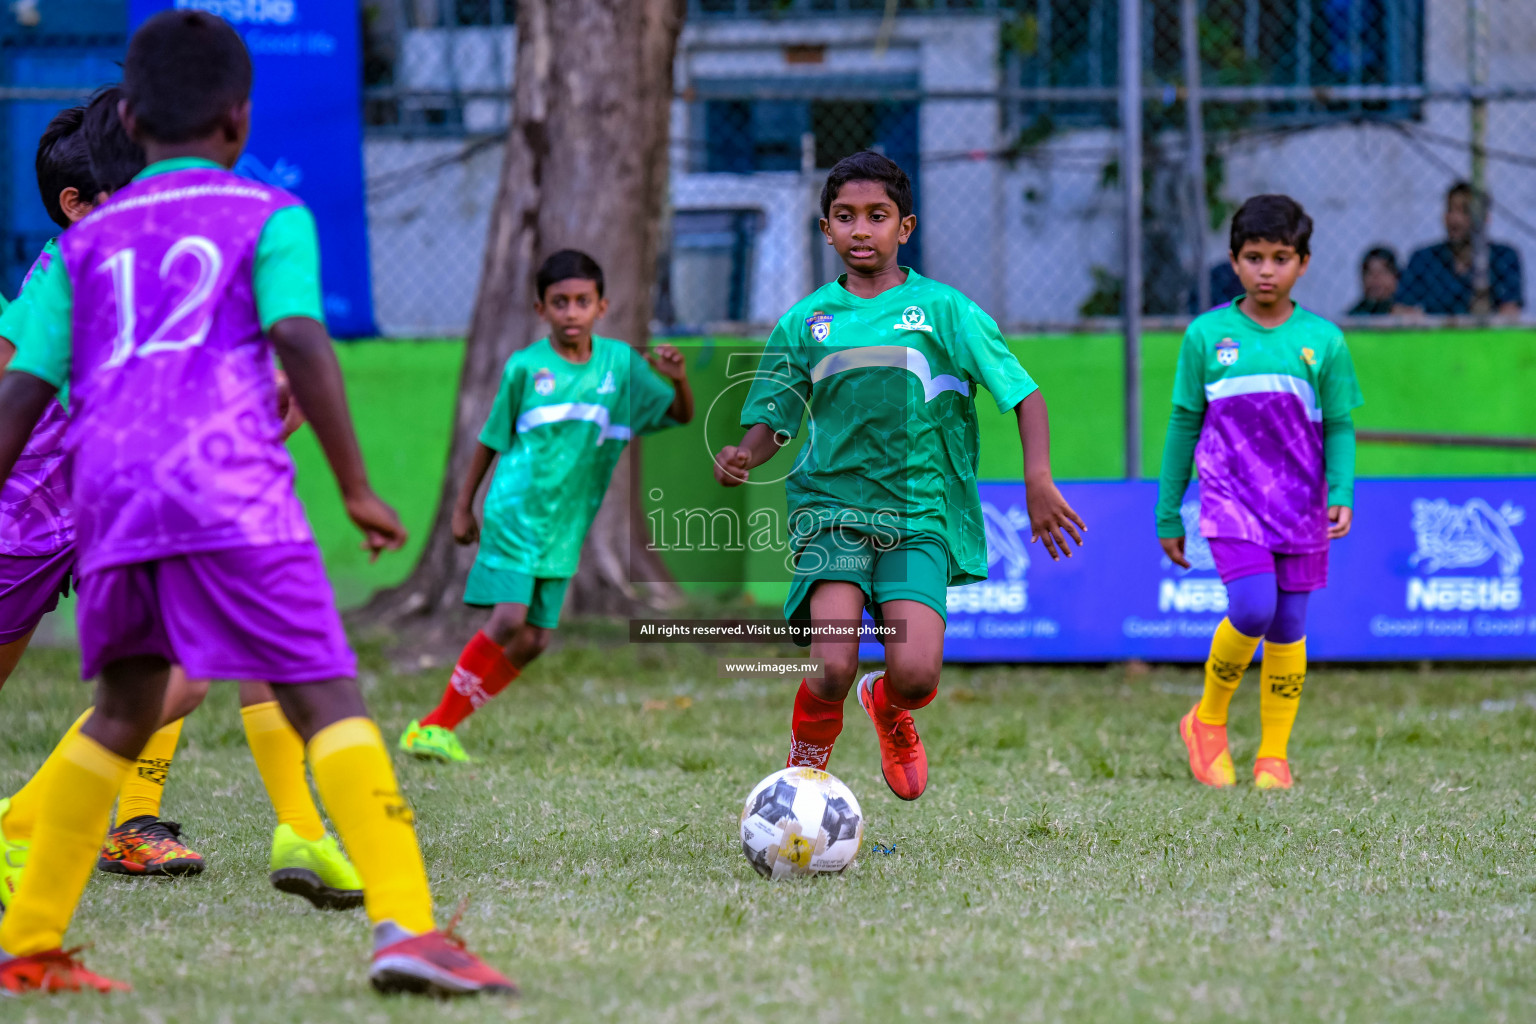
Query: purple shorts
[262,613]
[30,587]
[1297,574]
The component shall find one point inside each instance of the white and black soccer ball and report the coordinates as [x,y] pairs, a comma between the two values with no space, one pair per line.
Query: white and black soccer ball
[800,821]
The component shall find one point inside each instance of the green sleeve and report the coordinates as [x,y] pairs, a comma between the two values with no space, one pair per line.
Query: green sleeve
[38,324]
[781,386]
[1339,459]
[650,397]
[500,424]
[1189,378]
[286,275]
[1340,389]
[985,356]
[1178,456]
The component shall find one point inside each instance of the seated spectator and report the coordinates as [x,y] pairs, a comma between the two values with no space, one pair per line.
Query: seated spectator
[1225,287]
[1439,277]
[1378,283]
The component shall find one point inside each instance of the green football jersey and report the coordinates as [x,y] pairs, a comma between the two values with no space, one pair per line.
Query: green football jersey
[888,386]
[560,428]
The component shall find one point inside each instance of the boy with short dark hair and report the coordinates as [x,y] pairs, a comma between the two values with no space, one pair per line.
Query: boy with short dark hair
[192,546]
[1261,403]
[883,505]
[566,407]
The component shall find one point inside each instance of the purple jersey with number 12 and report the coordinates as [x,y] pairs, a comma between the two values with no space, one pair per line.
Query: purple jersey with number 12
[35,517]
[174,433]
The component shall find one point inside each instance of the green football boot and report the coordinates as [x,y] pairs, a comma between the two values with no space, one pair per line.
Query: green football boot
[315,869]
[432,743]
[13,857]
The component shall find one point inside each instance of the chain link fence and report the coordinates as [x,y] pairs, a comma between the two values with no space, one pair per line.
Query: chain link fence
[1393,121]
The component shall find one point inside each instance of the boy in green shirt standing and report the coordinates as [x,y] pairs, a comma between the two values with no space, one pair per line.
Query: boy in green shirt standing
[883,507]
[567,406]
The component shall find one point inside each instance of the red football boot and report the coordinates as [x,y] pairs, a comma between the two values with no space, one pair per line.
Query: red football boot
[903,761]
[53,970]
[147,845]
[436,964]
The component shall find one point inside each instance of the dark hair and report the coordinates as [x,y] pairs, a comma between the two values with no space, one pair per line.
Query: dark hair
[868,166]
[1382,253]
[62,162]
[1272,218]
[115,158]
[184,71]
[565,265]
[1465,189]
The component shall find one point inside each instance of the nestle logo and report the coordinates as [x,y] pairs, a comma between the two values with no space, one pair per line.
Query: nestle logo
[245,12]
[1464,594]
[1188,595]
[987,597]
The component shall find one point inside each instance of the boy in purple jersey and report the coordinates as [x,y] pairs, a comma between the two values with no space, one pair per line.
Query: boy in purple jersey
[1261,403]
[192,546]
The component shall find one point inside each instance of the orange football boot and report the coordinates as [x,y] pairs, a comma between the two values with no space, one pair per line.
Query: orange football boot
[1272,773]
[1209,759]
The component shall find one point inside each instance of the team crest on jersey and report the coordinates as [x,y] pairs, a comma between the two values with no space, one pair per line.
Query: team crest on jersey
[820,324]
[1226,351]
[912,319]
[544,382]
[607,387]
[1309,357]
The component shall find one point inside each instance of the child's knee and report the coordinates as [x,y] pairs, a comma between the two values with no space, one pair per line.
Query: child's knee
[505,623]
[913,681]
[532,641]
[839,665]
[1252,614]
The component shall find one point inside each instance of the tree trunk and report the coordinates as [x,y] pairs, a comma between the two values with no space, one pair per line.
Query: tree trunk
[585,168]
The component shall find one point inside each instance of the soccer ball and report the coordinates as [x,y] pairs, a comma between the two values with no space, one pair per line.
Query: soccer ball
[800,821]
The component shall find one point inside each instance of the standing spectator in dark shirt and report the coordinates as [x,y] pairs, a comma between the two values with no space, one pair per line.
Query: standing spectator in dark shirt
[1439,277]
[1378,283]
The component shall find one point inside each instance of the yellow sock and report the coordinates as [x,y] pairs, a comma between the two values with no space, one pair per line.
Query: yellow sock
[1231,652]
[77,804]
[1283,673]
[145,785]
[279,755]
[357,785]
[21,820]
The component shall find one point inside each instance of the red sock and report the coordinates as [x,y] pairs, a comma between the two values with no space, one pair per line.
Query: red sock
[483,671]
[815,721]
[884,703]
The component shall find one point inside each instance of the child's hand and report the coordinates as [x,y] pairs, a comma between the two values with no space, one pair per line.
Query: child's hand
[466,529]
[668,362]
[1341,516]
[1050,517]
[1173,547]
[731,466]
[380,524]
[287,409]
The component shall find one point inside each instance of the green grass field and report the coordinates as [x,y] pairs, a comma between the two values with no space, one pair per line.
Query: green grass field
[1062,867]
[403,394]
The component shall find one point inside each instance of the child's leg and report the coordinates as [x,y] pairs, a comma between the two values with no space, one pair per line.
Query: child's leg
[817,719]
[81,784]
[10,655]
[1250,610]
[145,785]
[911,667]
[1284,672]
[357,784]
[279,755]
[484,669]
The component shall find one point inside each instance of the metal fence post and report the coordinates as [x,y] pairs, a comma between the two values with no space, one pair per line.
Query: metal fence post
[1477,59]
[1130,178]
[1194,113]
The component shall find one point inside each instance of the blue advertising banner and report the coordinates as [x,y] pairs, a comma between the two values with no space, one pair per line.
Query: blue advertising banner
[1433,568]
[306,129]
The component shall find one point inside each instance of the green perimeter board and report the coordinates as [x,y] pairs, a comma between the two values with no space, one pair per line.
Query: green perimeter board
[402,396]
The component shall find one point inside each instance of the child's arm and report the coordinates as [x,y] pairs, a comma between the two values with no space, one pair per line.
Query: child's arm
[1339,469]
[466,528]
[735,462]
[668,362]
[23,400]
[1049,514]
[1178,456]
[315,377]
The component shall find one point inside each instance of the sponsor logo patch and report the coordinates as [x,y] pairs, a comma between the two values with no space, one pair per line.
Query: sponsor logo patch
[820,324]
[544,382]
[1226,351]
[914,319]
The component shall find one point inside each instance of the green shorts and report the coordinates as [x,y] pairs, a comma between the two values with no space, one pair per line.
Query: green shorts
[916,569]
[544,596]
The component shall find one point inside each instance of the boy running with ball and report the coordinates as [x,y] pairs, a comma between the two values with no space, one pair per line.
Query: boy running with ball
[192,547]
[1261,404]
[883,507]
[567,406]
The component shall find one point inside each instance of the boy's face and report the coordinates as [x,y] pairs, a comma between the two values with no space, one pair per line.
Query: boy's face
[865,228]
[571,306]
[1268,270]
[1378,281]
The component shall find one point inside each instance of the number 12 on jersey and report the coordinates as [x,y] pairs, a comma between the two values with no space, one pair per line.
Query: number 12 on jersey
[192,316]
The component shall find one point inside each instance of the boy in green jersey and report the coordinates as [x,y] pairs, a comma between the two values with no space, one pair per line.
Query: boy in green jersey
[883,507]
[1261,404]
[567,406]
